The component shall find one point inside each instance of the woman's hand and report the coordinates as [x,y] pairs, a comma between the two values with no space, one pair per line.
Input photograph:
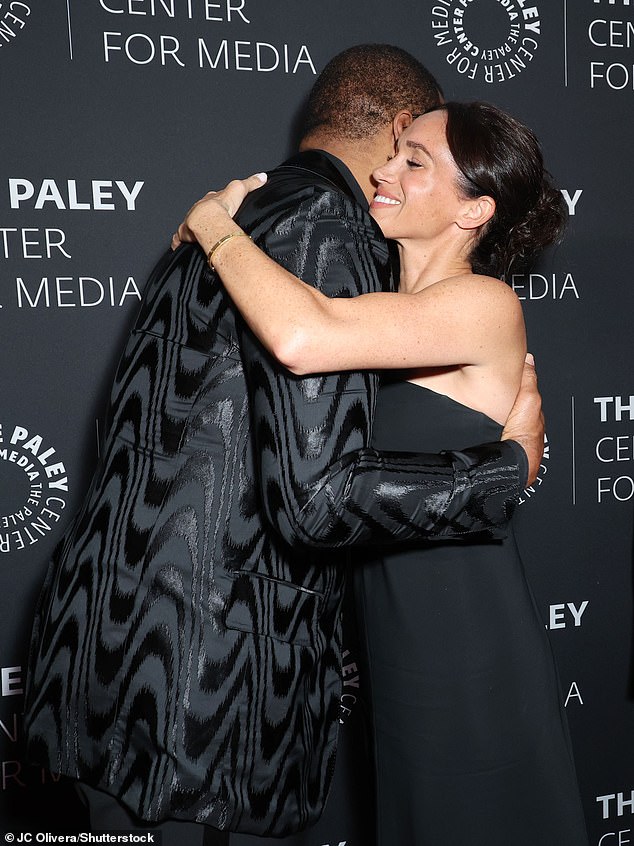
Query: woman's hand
[525,423]
[216,207]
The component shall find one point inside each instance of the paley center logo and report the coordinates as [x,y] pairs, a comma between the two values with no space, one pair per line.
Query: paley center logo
[33,487]
[530,491]
[14,16]
[488,40]
[350,675]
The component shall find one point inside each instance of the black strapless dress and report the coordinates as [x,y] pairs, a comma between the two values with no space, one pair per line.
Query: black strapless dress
[470,732]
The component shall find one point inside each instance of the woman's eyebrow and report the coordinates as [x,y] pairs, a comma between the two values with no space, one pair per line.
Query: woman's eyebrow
[415,145]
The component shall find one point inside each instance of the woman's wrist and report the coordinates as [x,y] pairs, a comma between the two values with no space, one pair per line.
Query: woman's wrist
[210,223]
[220,243]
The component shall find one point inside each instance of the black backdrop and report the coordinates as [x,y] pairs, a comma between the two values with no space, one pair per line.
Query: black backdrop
[116,114]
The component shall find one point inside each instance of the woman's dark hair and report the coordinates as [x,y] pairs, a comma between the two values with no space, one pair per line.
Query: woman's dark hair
[500,157]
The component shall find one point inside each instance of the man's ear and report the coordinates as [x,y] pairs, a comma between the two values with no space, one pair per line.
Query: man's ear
[400,122]
[476,212]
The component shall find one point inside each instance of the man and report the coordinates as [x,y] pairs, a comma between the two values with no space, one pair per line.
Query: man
[186,650]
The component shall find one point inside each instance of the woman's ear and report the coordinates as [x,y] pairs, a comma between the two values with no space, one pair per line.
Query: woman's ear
[476,212]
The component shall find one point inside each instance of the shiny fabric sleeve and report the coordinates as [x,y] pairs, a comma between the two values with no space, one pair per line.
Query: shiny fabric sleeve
[320,482]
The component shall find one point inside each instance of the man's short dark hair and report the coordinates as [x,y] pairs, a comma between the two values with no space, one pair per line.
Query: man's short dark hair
[361,89]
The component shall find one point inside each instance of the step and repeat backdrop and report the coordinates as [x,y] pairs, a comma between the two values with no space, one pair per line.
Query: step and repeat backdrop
[115,115]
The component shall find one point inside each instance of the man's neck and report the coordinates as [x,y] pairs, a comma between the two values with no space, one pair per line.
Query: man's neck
[360,157]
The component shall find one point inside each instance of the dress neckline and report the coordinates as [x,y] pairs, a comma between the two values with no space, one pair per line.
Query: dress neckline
[455,402]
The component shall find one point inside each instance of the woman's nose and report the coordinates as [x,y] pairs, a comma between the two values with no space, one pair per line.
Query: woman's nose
[385,172]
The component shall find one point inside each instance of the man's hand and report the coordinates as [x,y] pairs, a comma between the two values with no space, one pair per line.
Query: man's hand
[228,200]
[525,423]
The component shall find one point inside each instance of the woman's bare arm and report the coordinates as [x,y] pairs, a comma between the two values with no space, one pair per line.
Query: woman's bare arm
[466,320]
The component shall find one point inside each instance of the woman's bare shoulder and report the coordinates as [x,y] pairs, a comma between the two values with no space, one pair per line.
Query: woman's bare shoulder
[479,291]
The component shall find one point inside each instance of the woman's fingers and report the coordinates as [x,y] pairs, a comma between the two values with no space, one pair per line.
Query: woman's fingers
[256,181]
[233,194]
[229,198]
[182,235]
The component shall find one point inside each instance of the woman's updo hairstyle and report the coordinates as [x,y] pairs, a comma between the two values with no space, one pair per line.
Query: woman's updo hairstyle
[500,157]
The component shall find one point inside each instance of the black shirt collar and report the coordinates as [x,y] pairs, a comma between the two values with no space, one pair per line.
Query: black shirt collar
[330,168]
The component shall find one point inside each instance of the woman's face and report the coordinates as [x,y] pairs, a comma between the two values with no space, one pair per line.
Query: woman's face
[417,194]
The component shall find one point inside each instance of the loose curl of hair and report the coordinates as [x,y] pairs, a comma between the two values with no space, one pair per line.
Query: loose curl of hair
[499,157]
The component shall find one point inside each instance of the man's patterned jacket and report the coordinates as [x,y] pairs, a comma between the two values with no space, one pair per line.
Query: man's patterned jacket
[185,655]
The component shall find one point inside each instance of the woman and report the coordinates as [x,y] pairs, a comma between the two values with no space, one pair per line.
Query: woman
[470,733]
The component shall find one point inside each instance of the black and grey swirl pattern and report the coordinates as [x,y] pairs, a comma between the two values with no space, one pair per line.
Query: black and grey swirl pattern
[185,655]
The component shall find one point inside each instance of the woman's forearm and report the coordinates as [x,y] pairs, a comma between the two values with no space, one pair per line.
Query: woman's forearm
[277,306]
[462,320]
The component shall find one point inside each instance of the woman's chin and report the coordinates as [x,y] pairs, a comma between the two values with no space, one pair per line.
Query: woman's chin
[384,224]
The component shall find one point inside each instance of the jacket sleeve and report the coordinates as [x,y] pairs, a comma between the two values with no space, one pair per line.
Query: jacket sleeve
[321,483]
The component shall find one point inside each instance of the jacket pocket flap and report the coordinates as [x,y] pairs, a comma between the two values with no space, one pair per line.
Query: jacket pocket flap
[273,608]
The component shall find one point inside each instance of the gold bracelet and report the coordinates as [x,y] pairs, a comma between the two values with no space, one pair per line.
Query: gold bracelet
[221,242]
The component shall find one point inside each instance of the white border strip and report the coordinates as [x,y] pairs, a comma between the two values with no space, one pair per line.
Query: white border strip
[70,32]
